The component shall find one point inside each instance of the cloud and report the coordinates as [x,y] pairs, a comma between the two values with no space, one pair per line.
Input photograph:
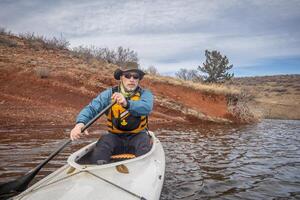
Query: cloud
[167,34]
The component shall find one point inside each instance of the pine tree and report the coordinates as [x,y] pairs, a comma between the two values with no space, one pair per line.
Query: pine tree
[216,66]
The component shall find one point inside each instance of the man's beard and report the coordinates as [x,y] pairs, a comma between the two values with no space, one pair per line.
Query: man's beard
[130,89]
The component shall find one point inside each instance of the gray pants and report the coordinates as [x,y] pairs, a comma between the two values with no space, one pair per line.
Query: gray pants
[110,144]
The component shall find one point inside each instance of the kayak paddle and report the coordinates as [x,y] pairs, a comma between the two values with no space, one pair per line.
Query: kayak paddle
[10,188]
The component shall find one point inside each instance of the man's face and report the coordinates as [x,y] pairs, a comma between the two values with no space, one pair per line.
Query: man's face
[130,80]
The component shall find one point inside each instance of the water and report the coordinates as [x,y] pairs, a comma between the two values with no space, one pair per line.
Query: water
[260,161]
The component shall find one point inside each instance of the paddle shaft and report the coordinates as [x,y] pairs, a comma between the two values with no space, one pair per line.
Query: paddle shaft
[97,116]
[69,141]
[21,183]
[86,126]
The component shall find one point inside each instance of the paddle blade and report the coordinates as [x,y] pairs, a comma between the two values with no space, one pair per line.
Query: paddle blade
[18,185]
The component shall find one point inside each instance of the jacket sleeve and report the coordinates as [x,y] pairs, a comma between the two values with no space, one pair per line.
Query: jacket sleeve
[143,106]
[94,107]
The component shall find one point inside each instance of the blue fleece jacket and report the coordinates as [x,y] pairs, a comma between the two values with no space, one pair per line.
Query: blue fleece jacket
[141,107]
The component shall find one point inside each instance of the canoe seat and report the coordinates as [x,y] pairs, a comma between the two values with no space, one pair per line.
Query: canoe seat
[122,156]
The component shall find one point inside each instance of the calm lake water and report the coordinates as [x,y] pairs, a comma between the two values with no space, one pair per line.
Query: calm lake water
[260,161]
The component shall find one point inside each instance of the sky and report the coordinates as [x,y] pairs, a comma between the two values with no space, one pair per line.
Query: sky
[259,37]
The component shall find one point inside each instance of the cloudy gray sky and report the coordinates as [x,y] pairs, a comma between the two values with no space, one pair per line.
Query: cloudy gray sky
[260,37]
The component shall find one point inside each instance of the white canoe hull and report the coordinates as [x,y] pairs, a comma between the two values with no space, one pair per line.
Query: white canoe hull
[74,181]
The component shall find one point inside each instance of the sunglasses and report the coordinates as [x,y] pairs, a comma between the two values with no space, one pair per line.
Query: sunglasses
[129,75]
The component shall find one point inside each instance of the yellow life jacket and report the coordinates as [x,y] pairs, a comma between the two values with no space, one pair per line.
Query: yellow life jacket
[119,119]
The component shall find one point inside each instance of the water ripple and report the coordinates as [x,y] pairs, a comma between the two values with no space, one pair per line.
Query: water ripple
[260,161]
[223,162]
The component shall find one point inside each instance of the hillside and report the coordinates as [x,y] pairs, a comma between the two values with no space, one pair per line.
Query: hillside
[276,97]
[40,85]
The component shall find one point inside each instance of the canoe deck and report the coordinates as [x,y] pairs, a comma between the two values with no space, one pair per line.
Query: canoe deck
[87,181]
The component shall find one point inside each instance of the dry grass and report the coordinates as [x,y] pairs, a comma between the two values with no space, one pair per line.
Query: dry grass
[274,96]
[238,99]
[207,88]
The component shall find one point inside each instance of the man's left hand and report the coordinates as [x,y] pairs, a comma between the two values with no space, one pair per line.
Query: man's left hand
[119,98]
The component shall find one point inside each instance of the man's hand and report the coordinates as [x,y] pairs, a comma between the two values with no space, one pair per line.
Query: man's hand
[76,131]
[119,98]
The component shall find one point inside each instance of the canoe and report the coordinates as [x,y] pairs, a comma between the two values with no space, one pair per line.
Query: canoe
[142,179]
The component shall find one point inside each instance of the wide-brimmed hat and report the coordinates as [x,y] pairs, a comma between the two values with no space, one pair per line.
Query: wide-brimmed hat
[128,67]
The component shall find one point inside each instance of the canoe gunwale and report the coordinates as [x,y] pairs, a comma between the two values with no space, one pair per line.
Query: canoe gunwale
[81,152]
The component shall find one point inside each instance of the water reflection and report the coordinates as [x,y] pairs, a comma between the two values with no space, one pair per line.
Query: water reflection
[224,162]
[259,161]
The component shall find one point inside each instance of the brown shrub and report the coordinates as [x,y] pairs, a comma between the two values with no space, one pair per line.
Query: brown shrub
[37,42]
[56,43]
[7,42]
[42,72]
[238,106]
[3,31]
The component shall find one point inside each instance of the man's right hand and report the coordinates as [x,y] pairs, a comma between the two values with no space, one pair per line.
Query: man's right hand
[76,131]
